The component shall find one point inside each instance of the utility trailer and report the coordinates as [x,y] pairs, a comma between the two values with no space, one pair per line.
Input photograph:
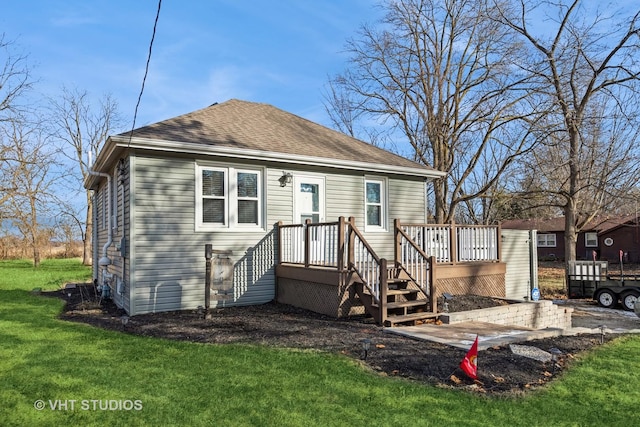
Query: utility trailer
[591,279]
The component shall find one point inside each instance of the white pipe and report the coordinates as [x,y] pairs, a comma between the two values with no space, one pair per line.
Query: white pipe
[104,261]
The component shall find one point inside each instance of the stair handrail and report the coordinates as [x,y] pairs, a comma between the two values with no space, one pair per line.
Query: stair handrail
[421,269]
[368,266]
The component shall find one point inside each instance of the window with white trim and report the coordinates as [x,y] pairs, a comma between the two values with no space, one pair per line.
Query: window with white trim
[546,240]
[228,197]
[375,204]
[591,240]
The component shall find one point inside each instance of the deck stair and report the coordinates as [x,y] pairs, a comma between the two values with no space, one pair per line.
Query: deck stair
[402,302]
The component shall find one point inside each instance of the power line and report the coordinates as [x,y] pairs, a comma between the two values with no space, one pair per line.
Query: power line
[146,71]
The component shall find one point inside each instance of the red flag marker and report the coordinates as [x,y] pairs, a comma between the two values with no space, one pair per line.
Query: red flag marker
[470,362]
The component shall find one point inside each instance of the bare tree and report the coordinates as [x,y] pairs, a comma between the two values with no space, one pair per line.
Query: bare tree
[83,127]
[14,78]
[587,74]
[14,82]
[438,74]
[31,173]
[65,229]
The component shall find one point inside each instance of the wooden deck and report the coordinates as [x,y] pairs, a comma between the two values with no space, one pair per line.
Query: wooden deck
[330,268]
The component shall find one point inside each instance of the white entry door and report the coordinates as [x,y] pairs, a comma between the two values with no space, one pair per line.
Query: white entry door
[308,199]
[309,204]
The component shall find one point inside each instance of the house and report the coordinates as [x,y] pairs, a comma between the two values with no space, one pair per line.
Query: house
[606,236]
[217,198]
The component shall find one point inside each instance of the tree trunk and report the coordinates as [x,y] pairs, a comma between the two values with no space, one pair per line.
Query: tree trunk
[570,233]
[36,255]
[570,210]
[440,200]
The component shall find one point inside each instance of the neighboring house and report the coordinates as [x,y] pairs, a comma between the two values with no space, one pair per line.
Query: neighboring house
[607,237]
[234,182]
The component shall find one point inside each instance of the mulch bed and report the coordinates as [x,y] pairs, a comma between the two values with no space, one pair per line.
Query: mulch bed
[500,372]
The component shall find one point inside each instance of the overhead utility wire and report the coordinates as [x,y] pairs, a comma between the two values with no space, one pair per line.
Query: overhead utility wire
[146,71]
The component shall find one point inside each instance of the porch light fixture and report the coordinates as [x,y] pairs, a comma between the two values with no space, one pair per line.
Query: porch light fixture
[285,179]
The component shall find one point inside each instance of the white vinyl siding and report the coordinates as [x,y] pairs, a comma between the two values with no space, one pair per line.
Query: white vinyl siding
[103,208]
[521,258]
[168,263]
[405,201]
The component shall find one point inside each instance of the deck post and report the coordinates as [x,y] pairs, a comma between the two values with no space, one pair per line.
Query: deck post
[341,240]
[383,290]
[208,254]
[397,247]
[307,242]
[279,241]
[433,298]
[351,255]
[499,242]
[453,243]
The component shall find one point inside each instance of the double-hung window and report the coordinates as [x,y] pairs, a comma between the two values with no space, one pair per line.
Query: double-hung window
[375,204]
[228,197]
[591,240]
[546,240]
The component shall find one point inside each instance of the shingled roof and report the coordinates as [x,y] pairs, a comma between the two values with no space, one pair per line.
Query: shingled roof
[237,124]
[600,224]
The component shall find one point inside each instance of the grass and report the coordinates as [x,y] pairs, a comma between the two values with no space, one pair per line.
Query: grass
[551,280]
[180,383]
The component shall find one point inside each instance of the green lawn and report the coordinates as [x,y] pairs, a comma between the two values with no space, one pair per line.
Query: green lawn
[146,381]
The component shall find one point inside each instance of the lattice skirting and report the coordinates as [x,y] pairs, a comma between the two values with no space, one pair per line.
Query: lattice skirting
[321,298]
[491,285]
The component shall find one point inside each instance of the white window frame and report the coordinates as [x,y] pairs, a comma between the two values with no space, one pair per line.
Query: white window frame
[231,198]
[384,210]
[594,236]
[547,241]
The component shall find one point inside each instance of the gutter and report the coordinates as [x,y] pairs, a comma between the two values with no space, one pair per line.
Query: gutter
[193,148]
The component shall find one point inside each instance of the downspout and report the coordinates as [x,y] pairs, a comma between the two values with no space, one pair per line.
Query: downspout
[105,261]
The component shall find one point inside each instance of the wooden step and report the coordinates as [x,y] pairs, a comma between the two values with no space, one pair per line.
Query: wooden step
[397,283]
[409,318]
[402,291]
[405,304]
[394,292]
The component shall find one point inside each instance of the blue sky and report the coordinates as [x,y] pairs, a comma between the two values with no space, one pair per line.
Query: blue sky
[279,52]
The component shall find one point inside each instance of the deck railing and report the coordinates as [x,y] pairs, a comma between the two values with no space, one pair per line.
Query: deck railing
[338,245]
[453,243]
[312,244]
[415,262]
[371,269]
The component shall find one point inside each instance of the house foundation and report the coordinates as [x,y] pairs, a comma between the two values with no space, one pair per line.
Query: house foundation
[319,290]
